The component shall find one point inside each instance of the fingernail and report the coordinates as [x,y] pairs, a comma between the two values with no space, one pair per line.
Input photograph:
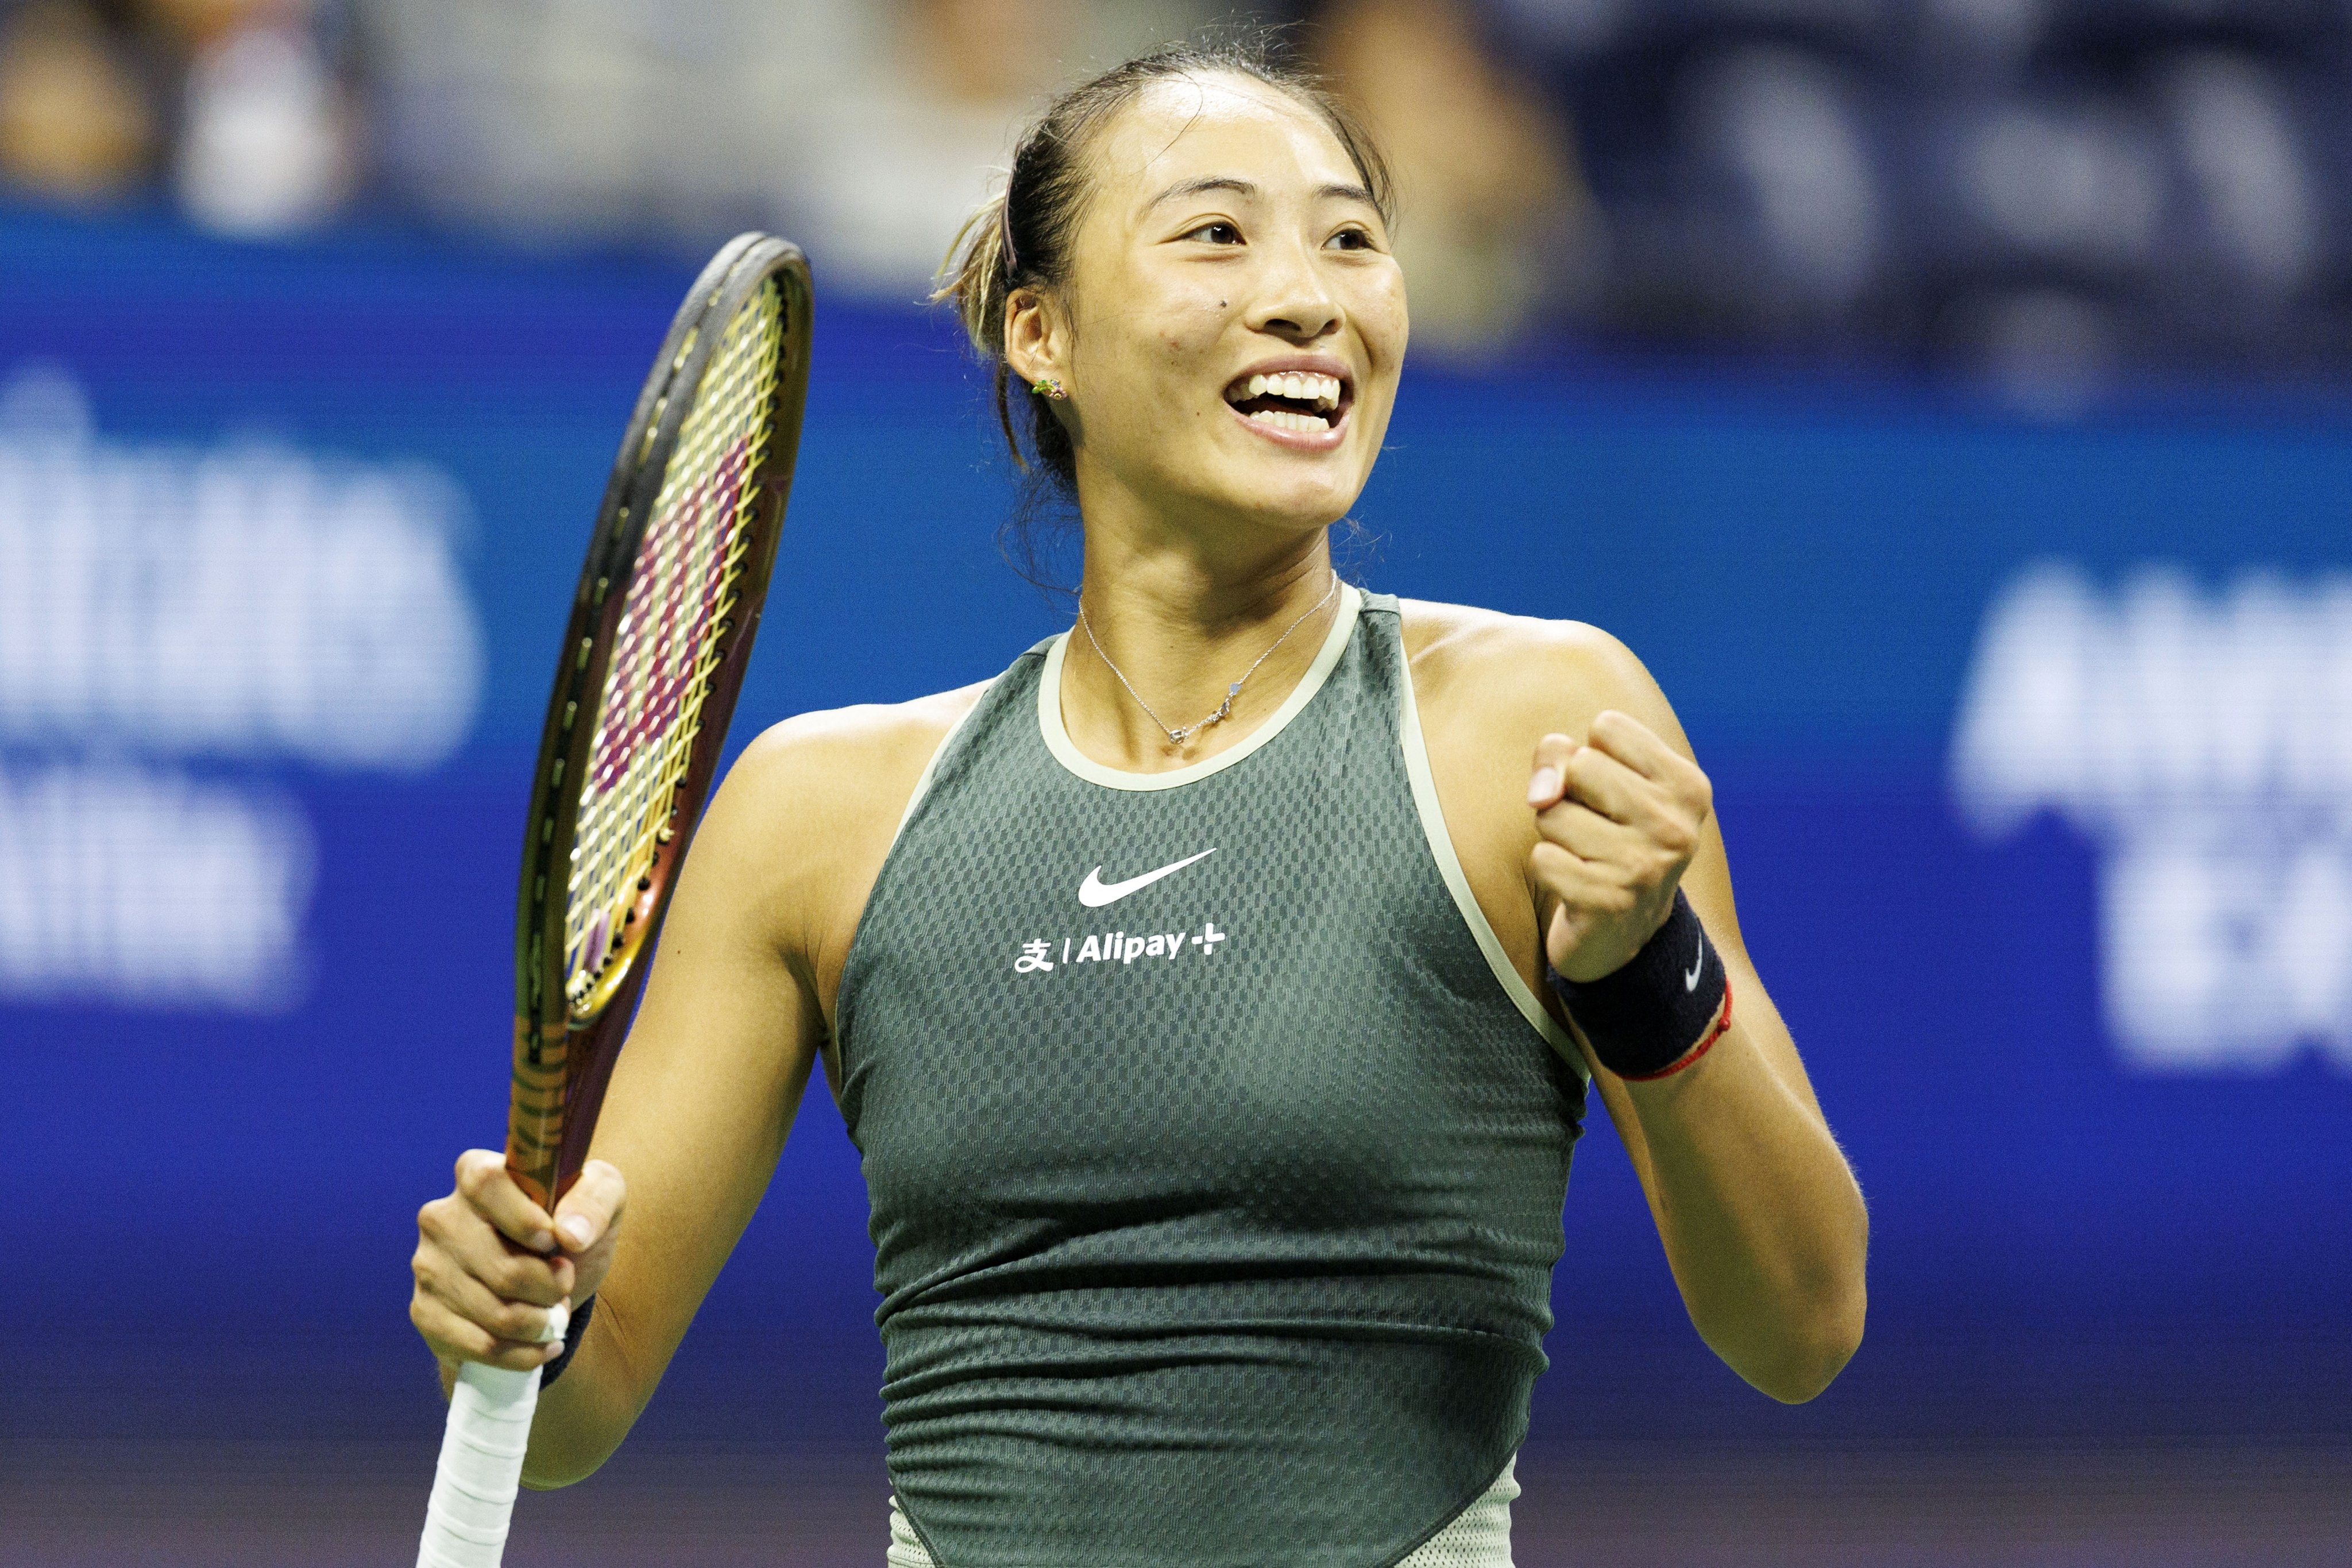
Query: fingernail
[577,1229]
[1543,786]
[540,1241]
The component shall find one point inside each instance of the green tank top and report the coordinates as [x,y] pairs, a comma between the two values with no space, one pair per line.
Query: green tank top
[1216,1151]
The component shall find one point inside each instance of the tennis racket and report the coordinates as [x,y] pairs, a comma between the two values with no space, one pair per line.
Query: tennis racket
[660,631]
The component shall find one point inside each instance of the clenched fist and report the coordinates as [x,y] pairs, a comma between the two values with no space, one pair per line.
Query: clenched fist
[1617,819]
[489,1262]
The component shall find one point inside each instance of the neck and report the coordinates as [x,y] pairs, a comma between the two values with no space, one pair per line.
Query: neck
[1183,624]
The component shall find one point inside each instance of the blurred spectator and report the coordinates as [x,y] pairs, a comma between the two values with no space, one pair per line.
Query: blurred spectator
[896,154]
[2046,193]
[865,130]
[1494,214]
[902,146]
[265,137]
[595,122]
[1780,158]
[2251,174]
[75,120]
[262,128]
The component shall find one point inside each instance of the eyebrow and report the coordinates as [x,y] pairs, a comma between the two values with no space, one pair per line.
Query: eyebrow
[1247,191]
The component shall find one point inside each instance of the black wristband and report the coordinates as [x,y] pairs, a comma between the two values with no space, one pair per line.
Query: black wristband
[576,1330]
[1658,1013]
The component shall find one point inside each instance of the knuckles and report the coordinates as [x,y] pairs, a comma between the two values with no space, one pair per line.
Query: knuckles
[451,1230]
[477,1168]
[1660,808]
[502,1278]
[516,1322]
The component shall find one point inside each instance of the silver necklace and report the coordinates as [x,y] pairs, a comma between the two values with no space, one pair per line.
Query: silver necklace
[1224,709]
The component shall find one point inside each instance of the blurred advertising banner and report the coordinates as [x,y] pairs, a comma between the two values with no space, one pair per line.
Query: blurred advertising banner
[2202,740]
[176,624]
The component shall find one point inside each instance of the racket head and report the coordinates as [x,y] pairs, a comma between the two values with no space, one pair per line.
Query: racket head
[654,654]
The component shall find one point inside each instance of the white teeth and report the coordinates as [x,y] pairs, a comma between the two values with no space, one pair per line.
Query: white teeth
[1299,386]
[1290,419]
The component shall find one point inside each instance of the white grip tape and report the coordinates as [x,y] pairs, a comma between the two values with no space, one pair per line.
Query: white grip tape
[480,1471]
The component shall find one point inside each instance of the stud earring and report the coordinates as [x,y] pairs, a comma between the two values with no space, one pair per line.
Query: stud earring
[1051,388]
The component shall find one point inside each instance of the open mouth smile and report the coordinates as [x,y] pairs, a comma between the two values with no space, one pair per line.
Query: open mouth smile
[1299,409]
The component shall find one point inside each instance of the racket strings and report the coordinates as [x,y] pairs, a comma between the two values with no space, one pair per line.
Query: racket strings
[670,643]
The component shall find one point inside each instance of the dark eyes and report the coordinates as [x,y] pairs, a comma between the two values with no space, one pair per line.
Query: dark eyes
[1220,232]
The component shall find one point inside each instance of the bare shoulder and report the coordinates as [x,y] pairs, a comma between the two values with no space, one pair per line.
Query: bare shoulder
[836,763]
[1502,675]
[805,819]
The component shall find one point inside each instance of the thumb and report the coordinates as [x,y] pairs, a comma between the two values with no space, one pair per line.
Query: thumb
[593,1206]
[1561,937]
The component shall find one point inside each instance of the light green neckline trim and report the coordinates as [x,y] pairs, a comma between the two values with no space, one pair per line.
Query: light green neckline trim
[1058,738]
[931,766]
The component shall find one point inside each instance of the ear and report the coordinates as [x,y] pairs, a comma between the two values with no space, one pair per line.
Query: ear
[1036,336]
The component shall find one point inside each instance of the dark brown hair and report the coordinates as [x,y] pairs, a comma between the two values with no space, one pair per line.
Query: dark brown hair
[1022,238]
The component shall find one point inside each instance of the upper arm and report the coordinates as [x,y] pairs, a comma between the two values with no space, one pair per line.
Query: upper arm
[734,1015]
[716,1062]
[1592,671]
[1491,686]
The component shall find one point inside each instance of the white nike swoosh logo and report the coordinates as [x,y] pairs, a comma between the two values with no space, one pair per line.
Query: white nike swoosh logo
[1093,892]
[1690,981]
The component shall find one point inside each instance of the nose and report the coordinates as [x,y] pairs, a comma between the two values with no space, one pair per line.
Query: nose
[1297,303]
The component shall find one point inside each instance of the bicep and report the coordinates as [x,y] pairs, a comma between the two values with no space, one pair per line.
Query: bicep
[705,1090]
[1624,684]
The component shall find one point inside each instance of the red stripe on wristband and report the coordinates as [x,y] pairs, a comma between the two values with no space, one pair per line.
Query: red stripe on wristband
[1715,1032]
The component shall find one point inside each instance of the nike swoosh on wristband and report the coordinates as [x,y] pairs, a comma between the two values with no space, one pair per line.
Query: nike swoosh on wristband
[1093,892]
[1690,981]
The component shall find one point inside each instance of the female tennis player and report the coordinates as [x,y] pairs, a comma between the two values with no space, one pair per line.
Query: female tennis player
[1212,996]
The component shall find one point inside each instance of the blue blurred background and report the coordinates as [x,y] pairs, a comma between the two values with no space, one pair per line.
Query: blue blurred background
[1949,401]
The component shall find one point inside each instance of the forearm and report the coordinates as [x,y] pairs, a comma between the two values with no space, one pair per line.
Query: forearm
[1762,1222]
[575,1426]
[582,1418]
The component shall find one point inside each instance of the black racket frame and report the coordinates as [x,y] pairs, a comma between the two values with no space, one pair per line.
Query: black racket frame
[563,1061]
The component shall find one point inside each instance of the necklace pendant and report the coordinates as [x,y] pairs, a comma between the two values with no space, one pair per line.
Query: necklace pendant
[1224,709]
[1224,712]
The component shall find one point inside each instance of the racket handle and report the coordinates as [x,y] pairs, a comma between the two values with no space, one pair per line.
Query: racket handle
[480,1468]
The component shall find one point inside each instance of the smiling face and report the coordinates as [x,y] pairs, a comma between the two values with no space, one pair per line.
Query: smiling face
[1233,322]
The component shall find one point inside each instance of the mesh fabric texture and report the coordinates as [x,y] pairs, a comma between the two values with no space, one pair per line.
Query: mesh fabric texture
[1477,1537]
[1235,1246]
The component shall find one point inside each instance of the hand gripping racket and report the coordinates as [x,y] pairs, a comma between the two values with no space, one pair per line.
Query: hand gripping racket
[660,630]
